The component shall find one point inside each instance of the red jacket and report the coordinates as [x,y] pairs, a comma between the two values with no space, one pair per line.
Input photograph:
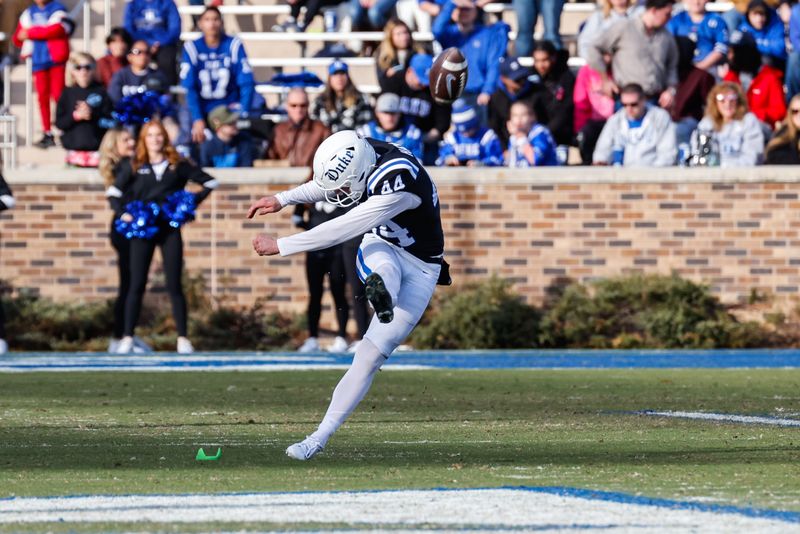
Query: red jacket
[765,96]
[48,28]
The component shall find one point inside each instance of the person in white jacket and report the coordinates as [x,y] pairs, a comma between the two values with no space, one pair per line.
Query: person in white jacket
[638,135]
[728,135]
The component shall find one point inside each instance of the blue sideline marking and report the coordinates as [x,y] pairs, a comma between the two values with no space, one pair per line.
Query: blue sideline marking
[597,495]
[522,359]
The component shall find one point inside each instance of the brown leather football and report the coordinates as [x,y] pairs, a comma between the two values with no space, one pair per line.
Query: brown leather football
[448,76]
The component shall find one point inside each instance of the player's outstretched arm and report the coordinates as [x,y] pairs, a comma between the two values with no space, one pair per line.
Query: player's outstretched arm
[307,193]
[263,206]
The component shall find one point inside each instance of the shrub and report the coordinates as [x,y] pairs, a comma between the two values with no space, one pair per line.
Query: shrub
[480,316]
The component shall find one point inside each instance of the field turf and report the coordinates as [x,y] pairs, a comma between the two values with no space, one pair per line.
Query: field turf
[118,433]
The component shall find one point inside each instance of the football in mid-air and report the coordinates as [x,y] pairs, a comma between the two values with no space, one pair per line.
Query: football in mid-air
[448,76]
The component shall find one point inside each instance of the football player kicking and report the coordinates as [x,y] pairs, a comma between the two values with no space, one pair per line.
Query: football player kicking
[400,259]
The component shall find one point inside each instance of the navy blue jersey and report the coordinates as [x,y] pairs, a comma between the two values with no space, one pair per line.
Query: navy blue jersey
[417,231]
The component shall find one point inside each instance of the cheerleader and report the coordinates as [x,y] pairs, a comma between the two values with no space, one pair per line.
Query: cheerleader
[155,177]
[6,203]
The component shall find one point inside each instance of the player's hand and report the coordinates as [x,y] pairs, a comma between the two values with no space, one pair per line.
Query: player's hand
[451,161]
[199,131]
[263,206]
[265,245]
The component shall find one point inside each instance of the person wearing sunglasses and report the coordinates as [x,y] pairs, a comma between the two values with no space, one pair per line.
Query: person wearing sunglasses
[638,135]
[83,112]
[784,148]
[296,139]
[729,129]
[138,76]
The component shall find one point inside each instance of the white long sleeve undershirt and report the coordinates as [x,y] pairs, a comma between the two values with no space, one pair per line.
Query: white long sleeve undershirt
[375,211]
[307,193]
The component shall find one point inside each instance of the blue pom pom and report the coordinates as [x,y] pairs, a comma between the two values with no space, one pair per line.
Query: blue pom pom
[179,208]
[145,220]
[139,108]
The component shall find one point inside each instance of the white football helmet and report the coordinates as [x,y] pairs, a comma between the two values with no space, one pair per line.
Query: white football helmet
[342,164]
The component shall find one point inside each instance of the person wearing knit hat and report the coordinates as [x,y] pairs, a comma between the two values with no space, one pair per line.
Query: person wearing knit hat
[468,143]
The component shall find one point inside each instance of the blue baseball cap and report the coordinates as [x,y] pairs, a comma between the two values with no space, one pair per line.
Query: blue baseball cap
[338,66]
[421,65]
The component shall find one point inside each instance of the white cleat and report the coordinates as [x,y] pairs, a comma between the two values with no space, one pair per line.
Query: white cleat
[305,450]
[309,345]
[339,345]
[184,346]
[125,346]
[3,346]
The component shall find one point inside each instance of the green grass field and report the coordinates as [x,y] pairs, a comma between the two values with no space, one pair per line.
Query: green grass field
[79,433]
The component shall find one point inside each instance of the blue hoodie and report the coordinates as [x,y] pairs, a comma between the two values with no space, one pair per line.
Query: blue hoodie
[794,28]
[154,21]
[483,48]
[771,40]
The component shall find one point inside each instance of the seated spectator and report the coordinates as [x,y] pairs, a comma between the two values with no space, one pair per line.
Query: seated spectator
[118,42]
[341,106]
[690,99]
[297,23]
[296,139]
[515,85]
[83,112]
[137,77]
[707,30]
[592,109]
[638,135]
[784,147]
[552,96]
[766,27]
[418,106]
[215,72]
[228,147]
[371,14]
[607,13]
[390,127]
[763,83]
[394,53]
[469,143]
[642,51]
[793,61]
[459,25]
[728,135]
[157,23]
[530,143]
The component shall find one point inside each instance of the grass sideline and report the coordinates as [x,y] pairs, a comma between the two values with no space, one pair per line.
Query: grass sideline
[119,433]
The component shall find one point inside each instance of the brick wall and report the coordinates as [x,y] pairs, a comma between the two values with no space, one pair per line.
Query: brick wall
[735,230]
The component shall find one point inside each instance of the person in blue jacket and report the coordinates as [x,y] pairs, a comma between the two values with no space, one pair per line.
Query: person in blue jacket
[159,23]
[707,30]
[215,71]
[389,126]
[228,146]
[459,25]
[793,63]
[469,143]
[766,27]
[530,143]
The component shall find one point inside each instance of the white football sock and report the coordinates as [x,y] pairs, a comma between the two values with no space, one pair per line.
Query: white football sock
[350,390]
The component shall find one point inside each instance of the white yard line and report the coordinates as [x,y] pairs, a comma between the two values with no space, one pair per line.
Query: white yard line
[495,509]
[728,418]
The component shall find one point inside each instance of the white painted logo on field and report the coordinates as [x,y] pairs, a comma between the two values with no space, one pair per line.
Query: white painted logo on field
[728,418]
[482,509]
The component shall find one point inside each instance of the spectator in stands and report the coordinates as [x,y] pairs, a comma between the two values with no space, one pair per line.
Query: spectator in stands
[6,203]
[371,14]
[119,43]
[527,12]
[394,53]
[118,144]
[156,172]
[459,25]
[707,30]
[389,126]
[530,143]
[793,60]
[341,106]
[638,135]
[228,147]
[469,143]
[592,109]
[158,23]
[608,13]
[552,96]
[767,28]
[138,76]
[43,35]
[762,82]
[734,135]
[642,52]
[418,106]
[295,23]
[690,99]
[215,72]
[83,112]
[514,85]
[296,139]
[784,147]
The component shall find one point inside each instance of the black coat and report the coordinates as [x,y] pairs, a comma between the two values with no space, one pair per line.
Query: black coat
[5,195]
[552,101]
[785,154]
[83,135]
